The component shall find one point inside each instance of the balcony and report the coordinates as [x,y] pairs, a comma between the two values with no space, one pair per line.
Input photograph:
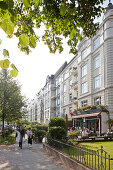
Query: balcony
[75,100]
[41,103]
[74,71]
[53,97]
[53,87]
[42,111]
[53,106]
[75,85]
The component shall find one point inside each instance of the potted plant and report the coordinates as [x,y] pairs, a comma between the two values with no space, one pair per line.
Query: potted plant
[40,134]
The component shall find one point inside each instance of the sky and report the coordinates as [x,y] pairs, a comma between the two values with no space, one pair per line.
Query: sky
[34,68]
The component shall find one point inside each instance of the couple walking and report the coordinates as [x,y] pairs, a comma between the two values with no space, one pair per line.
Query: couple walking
[20,135]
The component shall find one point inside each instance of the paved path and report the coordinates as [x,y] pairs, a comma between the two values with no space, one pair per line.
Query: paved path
[13,158]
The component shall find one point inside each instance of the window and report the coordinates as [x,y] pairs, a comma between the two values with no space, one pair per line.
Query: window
[70,71]
[96,43]
[96,62]
[70,109]
[84,103]
[84,54]
[84,70]
[70,83]
[58,101]
[64,111]
[58,90]
[70,97]
[97,100]
[64,88]
[97,82]
[64,100]
[64,76]
[85,87]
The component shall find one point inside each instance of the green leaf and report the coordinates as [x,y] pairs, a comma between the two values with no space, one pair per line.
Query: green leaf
[26,3]
[4,64]
[0,42]
[13,72]
[63,9]
[13,66]
[32,42]
[73,33]
[7,25]
[66,22]
[79,37]
[5,53]
[10,3]
[24,40]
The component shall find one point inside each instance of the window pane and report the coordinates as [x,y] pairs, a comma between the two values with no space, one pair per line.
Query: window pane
[84,103]
[64,88]
[84,87]
[97,101]
[97,82]
[84,54]
[96,62]
[84,70]
[96,43]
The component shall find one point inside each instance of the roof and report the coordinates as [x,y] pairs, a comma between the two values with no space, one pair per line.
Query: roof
[86,115]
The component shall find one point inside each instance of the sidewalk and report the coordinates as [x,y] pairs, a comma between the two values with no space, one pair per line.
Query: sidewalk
[13,158]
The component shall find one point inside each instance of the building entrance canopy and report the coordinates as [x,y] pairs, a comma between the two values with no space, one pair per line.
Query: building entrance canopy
[85,115]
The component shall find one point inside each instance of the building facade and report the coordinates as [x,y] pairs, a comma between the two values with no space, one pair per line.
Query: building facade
[86,80]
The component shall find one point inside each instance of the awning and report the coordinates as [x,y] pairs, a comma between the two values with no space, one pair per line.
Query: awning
[85,115]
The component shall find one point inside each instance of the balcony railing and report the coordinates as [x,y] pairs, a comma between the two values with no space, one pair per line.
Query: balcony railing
[53,87]
[75,100]
[75,85]
[74,71]
[53,97]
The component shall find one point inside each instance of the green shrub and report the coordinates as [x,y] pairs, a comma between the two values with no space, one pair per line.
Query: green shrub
[34,129]
[8,132]
[40,134]
[57,133]
[70,123]
[73,135]
[7,140]
[58,122]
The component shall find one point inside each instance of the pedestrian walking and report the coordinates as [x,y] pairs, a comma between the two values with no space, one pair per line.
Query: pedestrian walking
[20,134]
[30,135]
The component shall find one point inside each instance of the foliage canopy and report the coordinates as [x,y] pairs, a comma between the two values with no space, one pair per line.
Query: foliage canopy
[11,100]
[61,18]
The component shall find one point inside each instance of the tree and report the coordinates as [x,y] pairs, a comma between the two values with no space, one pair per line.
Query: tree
[11,100]
[62,18]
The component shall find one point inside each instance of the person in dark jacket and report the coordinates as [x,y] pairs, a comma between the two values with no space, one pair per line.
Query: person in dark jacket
[22,134]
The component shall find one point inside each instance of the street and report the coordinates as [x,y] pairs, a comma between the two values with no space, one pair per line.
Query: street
[28,158]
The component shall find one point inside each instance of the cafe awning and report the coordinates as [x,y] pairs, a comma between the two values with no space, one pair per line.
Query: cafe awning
[85,115]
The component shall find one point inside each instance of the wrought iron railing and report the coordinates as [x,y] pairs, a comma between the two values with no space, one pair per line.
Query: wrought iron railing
[95,160]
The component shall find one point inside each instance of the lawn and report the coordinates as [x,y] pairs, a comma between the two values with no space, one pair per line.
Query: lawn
[107,146]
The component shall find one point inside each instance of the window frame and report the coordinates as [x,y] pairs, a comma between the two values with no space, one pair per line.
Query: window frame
[83,53]
[94,62]
[95,85]
[95,102]
[84,103]
[83,88]
[83,68]
[95,41]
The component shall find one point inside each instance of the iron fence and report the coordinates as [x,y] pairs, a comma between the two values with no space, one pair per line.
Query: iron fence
[95,160]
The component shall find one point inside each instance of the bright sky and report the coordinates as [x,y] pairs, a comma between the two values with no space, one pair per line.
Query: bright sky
[34,68]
